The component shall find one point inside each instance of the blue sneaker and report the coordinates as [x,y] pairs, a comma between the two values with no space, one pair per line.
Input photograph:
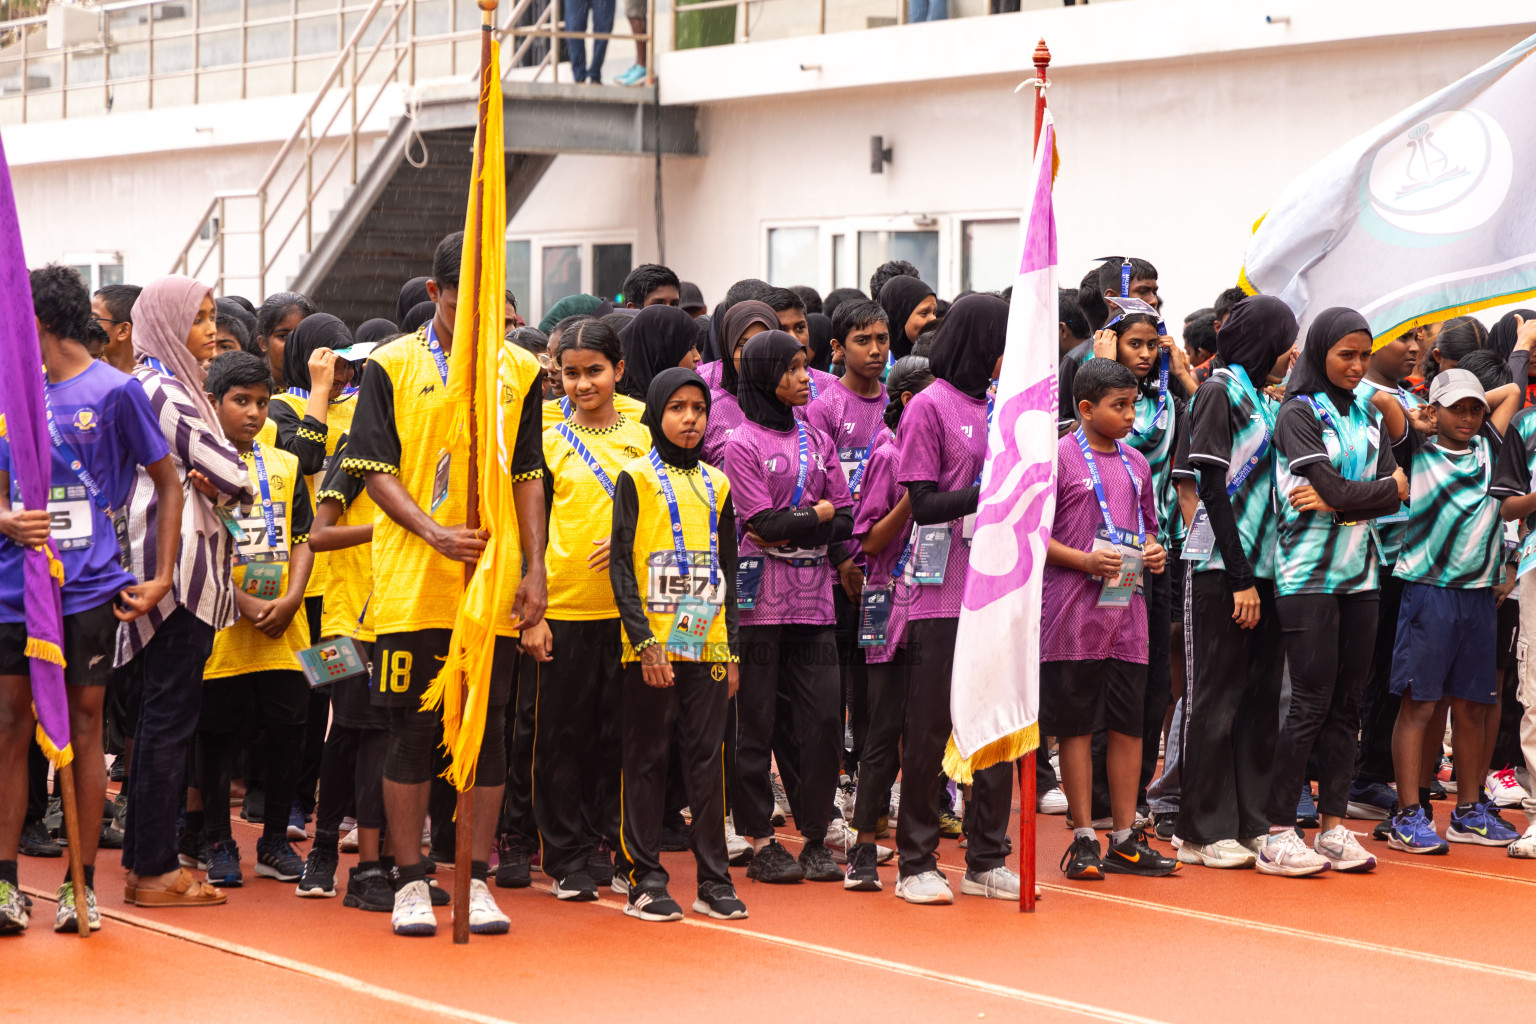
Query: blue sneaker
[296,830]
[1372,801]
[276,859]
[633,75]
[1473,824]
[1412,832]
[224,864]
[1306,809]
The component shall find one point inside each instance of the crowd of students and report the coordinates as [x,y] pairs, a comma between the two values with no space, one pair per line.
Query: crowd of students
[744,538]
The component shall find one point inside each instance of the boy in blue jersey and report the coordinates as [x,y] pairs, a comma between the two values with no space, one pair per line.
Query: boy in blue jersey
[1451,557]
[101,430]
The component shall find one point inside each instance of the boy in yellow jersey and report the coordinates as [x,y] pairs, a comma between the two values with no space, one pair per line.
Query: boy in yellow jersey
[253,673]
[402,445]
[672,564]
[306,420]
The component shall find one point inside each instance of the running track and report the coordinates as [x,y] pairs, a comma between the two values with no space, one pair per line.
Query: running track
[1201,946]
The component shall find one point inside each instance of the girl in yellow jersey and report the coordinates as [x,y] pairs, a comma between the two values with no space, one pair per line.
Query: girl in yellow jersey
[573,654]
[673,570]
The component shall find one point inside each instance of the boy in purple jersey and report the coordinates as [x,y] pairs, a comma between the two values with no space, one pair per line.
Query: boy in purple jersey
[790,493]
[101,430]
[882,524]
[943,448]
[1093,651]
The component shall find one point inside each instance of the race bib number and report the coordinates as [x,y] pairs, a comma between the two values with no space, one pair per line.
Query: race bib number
[668,586]
[254,548]
[69,518]
[851,458]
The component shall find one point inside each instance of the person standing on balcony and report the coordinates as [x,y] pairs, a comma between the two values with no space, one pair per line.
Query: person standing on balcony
[927,10]
[576,12]
[637,74]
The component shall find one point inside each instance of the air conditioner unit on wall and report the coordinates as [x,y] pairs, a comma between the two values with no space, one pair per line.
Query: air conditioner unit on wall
[72,25]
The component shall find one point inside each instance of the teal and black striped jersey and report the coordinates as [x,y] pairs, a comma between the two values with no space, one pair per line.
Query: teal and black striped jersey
[1230,428]
[1455,535]
[1157,442]
[1517,467]
[1316,555]
[1390,532]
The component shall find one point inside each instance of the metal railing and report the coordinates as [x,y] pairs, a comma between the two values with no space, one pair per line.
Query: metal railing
[789,18]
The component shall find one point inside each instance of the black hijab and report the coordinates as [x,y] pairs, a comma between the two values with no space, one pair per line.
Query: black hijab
[375,330]
[899,297]
[737,320]
[657,337]
[318,330]
[1257,332]
[418,315]
[763,363]
[229,307]
[1310,374]
[968,343]
[712,346]
[412,294]
[821,341]
[1503,336]
[663,386]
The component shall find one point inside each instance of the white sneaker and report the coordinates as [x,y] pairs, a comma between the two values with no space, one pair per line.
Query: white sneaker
[846,797]
[1286,855]
[485,917]
[841,838]
[928,887]
[998,884]
[1056,764]
[1256,844]
[1052,801]
[413,910]
[426,833]
[1506,792]
[737,849]
[1342,850]
[1525,846]
[895,803]
[1224,853]
[349,842]
[620,884]
[781,810]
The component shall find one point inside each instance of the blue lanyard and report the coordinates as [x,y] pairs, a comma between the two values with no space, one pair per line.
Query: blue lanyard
[565,431]
[437,352]
[266,497]
[304,392]
[991,401]
[1115,536]
[679,543]
[805,465]
[869,449]
[1162,398]
[1240,375]
[901,564]
[157,366]
[812,378]
[84,475]
[1354,444]
[565,407]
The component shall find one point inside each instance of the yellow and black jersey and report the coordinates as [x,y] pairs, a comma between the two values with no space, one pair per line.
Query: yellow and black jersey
[643,560]
[348,609]
[581,511]
[241,648]
[315,444]
[558,409]
[402,427]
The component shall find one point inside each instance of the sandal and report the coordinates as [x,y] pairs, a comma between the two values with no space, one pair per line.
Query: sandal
[184,891]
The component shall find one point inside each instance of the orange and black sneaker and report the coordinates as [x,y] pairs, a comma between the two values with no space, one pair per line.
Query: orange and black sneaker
[1081,861]
[1135,857]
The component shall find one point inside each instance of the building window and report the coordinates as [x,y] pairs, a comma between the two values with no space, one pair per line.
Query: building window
[519,277]
[792,257]
[562,273]
[919,248]
[842,267]
[989,253]
[611,264]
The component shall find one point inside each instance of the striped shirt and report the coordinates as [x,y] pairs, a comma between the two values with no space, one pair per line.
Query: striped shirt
[204,582]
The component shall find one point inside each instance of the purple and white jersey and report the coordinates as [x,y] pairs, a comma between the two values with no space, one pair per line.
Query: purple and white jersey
[711,373]
[822,384]
[879,494]
[725,416]
[854,423]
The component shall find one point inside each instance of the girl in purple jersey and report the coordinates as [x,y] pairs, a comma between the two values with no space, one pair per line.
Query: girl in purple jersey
[744,320]
[943,448]
[790,494]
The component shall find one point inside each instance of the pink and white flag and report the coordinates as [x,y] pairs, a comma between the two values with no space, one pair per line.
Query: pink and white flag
[995,692]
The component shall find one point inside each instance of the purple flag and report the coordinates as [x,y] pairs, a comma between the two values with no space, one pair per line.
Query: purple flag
[26,425]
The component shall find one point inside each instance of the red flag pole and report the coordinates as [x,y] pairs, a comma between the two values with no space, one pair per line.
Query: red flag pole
[1027,829]
[464,806]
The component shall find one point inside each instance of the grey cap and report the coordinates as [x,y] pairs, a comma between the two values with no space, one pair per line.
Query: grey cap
[1451,386]
[689,296]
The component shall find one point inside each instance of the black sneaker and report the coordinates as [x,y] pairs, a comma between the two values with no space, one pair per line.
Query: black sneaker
[254,806]
[774,865]
[191,848]
[674,838]
[119,770]
[1437,790]
[578,887]
[440,897]
[600,864]
[861,874]
[512,870]
[1163,823]
[275,858]
[319,878]
[1135,857]
[1383,830]
[817,863]
[369,889]
[36,842]
[111,838]
[653,904]
[718,900]
[1081,861]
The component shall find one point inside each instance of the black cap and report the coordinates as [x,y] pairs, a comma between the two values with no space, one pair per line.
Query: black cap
[689,296]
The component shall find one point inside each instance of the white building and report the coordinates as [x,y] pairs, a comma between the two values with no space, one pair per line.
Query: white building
[1179,121]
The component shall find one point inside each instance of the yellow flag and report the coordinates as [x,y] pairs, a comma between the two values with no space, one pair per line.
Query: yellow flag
[487,381]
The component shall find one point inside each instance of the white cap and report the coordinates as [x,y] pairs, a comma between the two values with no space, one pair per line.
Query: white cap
[1451,386]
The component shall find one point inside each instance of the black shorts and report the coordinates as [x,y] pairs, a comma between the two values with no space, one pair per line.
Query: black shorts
[275,697]
[90,644]
[352,702]
[404,665]
[1078,697]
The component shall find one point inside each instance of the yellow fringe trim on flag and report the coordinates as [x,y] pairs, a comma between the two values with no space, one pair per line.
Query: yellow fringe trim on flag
[43,650]
[1010,748]
[58,758]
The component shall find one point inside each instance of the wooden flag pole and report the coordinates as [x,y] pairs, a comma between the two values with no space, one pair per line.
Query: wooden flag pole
[464,809]
[66,777]
[1027,866]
